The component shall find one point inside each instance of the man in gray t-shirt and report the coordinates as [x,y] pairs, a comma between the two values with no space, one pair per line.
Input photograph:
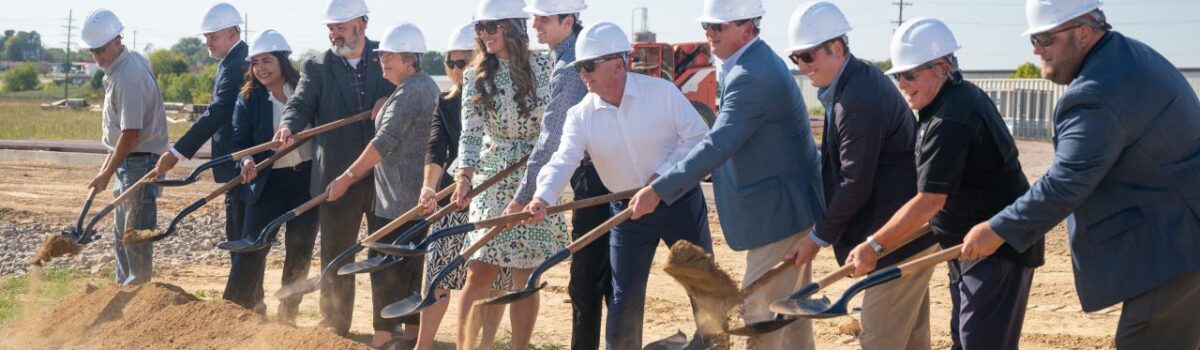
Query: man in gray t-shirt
[134,129]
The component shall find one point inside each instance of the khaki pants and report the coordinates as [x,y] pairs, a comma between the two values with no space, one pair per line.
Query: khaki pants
[798,335]
[895,315]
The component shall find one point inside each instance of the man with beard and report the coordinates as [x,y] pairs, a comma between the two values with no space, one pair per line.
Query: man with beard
[342,82]
[1126,153]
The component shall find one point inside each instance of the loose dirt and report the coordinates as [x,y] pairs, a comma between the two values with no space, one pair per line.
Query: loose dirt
[137,236]
[55,246]
[160,315]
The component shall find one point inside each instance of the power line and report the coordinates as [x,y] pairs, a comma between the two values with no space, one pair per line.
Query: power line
[900,4]
[69,65]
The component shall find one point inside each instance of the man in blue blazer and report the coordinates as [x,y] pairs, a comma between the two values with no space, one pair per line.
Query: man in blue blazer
[1127,172]
[766,171]
[222,37]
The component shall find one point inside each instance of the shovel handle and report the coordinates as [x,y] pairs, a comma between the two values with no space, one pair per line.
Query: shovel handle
[582,203]
[930,260]
[767,277]
[450,208]
[482,241]
[844,271]
[87,204]
[145,180]
[302,135]
[406,217]
[600,230]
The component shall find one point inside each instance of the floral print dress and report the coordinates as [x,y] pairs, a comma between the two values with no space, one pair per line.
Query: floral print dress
[491,140]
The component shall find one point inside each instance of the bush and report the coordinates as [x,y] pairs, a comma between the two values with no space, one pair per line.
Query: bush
[22,78]
[164,62]
[97,80]
[1027,70]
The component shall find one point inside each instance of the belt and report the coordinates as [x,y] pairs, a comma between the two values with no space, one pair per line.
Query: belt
[141,154]
[298,167]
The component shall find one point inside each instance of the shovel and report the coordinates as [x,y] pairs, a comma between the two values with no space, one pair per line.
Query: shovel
[312,284]
[87,205]
[299,137]
[226,187]
[421,248]
[817,309]
[381,261]
[780,321]
[88,234]
[531,287]
[265,238]
[414,303]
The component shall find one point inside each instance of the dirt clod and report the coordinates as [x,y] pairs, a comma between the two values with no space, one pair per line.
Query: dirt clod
[850,327]
[137,236]
[714,292]
[55,246]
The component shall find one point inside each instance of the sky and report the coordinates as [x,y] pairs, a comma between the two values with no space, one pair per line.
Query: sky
[987,30]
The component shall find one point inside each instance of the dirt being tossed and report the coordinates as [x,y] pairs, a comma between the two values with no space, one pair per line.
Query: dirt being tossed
[55,246]
[158,316]
[137,236]
[715,293]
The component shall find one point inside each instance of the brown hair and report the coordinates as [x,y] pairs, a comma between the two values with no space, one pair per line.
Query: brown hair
[290,74]
[486,65]
[455,86]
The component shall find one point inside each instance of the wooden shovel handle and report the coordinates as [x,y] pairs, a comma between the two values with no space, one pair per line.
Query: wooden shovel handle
[582,203]
[263,165]
[767,277]
[145,180]
[930,260]
[407,216]
[600,230]
[482,241]
[476,190]
[302,135]
[846,270]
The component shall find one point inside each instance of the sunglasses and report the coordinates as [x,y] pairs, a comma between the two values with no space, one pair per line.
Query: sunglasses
[1045,39]
[590,65]
[912,74]
[489,26]
[456,64]
[717,27]
[806,56]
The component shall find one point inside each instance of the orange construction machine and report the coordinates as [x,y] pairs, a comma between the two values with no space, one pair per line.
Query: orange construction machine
[688,65]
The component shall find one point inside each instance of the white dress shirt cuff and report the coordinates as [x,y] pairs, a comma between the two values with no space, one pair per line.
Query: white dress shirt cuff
[177,154]
[813,236]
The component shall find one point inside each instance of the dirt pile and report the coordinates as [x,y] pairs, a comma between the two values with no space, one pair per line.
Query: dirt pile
[715,294]
[159,315]
[55,246]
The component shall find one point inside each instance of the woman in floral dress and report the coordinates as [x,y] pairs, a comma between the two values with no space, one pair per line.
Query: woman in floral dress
[507,88]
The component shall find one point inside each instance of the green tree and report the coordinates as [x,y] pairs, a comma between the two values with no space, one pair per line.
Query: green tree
[431,63]
[194,50]
[165,62]
[884,65]
[188,87]
[97,80]
[21,78]
[23,46]
[1027,70]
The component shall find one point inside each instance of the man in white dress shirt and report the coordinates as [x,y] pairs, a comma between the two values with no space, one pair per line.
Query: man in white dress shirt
[634,127]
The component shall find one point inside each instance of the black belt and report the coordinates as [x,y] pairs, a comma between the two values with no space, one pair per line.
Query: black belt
[297,167]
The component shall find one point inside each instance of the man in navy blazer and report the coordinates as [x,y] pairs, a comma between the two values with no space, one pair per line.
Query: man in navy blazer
[1126,170]
[764,162]
[222,37]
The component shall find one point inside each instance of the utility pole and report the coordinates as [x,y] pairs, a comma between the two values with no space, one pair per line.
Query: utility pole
[135,40]
[69,65]
[901,4]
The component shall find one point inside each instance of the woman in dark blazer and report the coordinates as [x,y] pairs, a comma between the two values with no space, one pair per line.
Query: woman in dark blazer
[271,193]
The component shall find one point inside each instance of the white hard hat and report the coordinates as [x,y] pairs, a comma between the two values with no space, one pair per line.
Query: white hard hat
[919,41]
[490,10]
[403,37]
[555,7]
[462,38]
[1044,15]
[220,16]
[100,27]
[599,39]
[721,11]
[814,23]
[267,41]
[340,11]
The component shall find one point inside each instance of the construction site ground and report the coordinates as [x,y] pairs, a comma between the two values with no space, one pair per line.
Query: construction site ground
[51,192]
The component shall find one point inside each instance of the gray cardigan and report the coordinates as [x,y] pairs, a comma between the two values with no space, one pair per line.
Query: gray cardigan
[401,131]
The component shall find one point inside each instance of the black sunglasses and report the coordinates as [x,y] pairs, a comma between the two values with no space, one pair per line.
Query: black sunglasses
[590,65]
[1045,39]
[487,26]
[911,74]
[717,27]
[455,64]
[806,55]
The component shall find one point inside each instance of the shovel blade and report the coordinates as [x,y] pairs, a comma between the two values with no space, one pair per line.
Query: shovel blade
[299,288]
[409,306]
[242,245]
[514,296]
[370,265]
[407,249]
[762,327]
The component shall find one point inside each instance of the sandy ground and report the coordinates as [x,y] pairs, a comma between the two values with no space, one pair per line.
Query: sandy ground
[32,191]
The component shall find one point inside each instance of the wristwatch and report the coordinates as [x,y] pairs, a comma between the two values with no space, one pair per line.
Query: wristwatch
[878,248]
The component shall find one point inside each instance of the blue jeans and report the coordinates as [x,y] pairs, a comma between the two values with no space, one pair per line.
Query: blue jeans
[631,251]
[134,263]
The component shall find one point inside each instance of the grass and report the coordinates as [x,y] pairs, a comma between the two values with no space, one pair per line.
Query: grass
[26,120]
[16,293]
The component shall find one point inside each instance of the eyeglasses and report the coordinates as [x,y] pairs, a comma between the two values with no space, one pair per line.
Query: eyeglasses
[1045,39]
[911,74]
[590,65]
[99,50]
[487,26]
[455,64]
[717,27]
[806,55]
